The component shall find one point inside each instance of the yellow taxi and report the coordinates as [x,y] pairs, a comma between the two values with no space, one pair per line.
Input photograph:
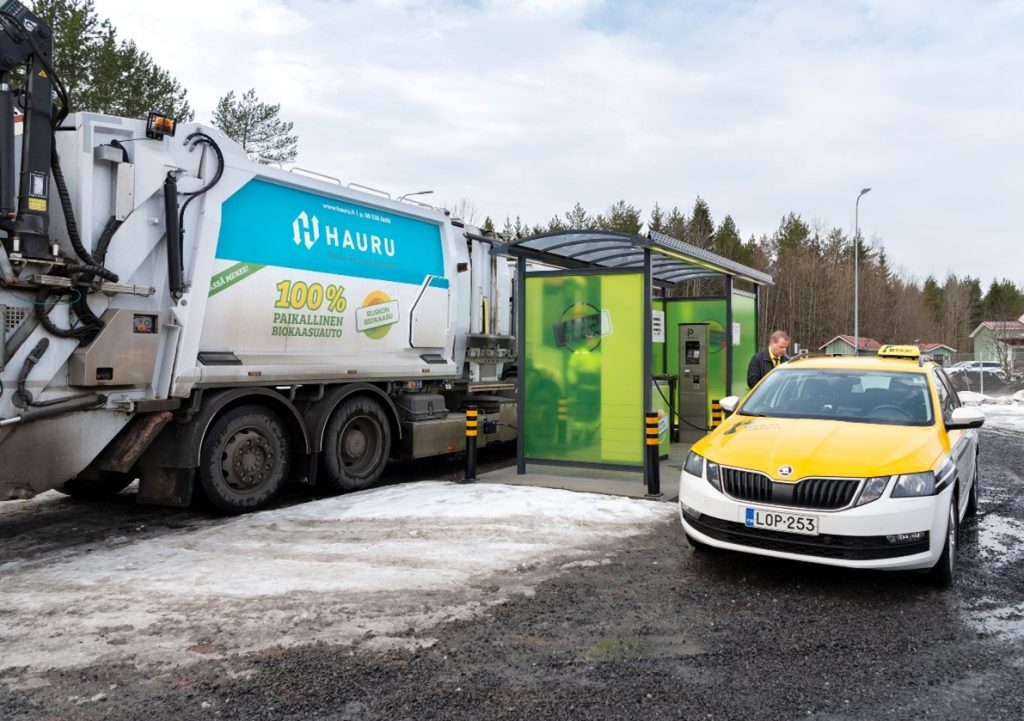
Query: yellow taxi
[862,462]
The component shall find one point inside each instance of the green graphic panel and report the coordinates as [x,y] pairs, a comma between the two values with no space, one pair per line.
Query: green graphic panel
[583,367]
[744,320]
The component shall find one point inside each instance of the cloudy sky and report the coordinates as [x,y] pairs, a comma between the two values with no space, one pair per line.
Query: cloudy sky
[524,107]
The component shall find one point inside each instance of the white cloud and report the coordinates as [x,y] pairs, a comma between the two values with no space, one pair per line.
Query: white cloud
[525,108]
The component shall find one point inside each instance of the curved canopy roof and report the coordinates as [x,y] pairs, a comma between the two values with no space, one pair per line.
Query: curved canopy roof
[672,261]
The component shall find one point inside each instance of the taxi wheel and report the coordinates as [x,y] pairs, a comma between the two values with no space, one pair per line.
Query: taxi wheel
[944,571]
[972,499]
[696,545]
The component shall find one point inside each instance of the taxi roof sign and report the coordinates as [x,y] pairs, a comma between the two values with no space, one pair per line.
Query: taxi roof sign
[911,352]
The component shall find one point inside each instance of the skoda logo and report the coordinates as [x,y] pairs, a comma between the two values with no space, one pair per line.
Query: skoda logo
[785,471]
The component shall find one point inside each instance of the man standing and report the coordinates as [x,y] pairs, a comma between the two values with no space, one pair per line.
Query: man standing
[765,360]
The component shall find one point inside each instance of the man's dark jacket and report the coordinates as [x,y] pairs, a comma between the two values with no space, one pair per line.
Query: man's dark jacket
[759,366]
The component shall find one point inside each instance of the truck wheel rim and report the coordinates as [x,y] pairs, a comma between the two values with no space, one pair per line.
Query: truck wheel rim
[358,444]
[247,460]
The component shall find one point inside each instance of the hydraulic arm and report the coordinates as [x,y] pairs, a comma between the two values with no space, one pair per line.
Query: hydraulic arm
[25,43]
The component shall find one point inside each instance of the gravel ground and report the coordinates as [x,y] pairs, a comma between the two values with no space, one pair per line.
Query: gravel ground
[647,630]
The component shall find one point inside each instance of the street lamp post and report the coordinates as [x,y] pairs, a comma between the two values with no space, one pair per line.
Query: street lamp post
[856,272]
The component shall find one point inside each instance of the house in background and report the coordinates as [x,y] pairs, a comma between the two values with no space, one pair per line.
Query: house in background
[938,352]
[843,345]
[1000,340]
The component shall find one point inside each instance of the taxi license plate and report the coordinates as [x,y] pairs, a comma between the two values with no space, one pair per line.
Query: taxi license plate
[780,521]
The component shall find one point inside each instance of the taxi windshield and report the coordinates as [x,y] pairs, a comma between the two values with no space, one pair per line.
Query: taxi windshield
[888,397]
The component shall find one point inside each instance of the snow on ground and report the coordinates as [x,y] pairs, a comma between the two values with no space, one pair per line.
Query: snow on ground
[376,568]
[1006,412]
[1009,416]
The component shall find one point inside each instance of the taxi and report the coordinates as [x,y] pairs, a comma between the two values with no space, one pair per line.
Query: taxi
[862,462]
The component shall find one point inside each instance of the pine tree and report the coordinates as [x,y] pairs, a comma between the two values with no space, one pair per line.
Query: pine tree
[728,243]
[255,126]
[656,222]
[700,228]
[578,219]
[622,218]
[103,73]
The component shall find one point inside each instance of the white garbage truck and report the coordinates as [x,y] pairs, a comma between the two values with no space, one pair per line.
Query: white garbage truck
[171,311]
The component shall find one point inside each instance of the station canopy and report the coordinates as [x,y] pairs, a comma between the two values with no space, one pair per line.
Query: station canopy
[672,261]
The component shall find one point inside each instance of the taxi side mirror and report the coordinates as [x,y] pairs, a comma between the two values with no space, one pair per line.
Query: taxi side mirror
[729,403]
[964,418]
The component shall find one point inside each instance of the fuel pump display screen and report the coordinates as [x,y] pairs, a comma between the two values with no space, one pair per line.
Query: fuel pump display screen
[692,353]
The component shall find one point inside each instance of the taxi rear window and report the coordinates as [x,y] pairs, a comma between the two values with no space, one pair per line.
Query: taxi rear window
[886,397]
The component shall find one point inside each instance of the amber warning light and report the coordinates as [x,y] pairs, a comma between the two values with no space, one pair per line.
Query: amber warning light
[157,126]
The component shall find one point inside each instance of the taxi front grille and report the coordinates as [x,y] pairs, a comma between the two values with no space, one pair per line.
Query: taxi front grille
[747,485]
[820,493]
[825,492]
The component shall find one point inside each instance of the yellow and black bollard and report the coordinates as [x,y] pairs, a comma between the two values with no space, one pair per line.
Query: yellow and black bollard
[716,415]
[471,431]
[653,452]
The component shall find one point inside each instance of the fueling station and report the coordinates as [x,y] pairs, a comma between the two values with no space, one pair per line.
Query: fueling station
[604,348]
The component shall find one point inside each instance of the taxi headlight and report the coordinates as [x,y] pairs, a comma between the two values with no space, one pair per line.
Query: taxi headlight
[713,477]
[873,490]
[694,465]
[910,485]
[697,466]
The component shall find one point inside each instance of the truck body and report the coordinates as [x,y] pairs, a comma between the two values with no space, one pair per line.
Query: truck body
[183,315]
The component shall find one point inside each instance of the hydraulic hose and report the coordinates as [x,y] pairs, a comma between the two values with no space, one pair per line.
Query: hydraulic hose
[22,398]
[104,241]
[92,270]
[42,312]
[69,213]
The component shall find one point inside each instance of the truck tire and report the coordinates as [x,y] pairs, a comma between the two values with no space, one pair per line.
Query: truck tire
[84,489]
[357,444]
[245,459]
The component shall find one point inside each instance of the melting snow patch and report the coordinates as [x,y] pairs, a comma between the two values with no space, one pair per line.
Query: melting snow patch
[999,539]
[383,562]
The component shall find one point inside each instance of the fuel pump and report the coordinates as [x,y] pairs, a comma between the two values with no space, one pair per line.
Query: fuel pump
[693,377]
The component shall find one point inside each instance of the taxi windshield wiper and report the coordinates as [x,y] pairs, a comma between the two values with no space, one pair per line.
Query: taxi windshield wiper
[754,415]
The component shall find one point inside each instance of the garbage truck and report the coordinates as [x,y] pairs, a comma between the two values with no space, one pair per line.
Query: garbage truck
[173,312]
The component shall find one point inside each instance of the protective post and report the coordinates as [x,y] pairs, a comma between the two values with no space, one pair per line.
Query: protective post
[653,462]
[471,431]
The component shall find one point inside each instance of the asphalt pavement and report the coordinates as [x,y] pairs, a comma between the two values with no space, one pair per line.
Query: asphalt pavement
[649,629]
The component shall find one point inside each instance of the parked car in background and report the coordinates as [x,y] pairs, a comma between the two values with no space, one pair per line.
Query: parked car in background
[975,375]
[862,462]
[975,365]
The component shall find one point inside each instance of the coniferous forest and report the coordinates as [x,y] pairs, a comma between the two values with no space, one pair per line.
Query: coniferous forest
[813,269]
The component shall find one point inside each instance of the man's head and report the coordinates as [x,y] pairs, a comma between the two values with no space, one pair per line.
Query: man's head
[778,344]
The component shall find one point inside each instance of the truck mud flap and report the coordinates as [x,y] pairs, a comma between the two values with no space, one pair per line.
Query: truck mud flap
[121,453]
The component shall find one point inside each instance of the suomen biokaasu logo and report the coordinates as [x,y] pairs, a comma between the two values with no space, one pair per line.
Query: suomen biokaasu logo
[306,231]
[581,327]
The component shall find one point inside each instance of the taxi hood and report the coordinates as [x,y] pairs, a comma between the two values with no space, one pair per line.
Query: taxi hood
[814,447]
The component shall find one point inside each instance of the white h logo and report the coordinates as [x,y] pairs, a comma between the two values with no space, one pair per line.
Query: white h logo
[306,230]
